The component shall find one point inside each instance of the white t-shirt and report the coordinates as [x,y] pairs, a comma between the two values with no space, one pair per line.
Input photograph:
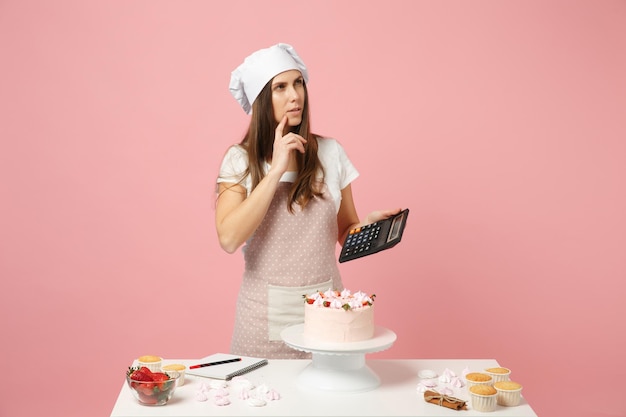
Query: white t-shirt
[338,169]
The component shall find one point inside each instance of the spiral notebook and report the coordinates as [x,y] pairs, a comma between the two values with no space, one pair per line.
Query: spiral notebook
[226,371]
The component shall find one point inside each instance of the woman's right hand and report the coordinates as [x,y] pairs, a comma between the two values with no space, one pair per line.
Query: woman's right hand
[283,157]
[238,215]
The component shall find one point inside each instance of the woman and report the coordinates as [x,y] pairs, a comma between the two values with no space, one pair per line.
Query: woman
[284,192]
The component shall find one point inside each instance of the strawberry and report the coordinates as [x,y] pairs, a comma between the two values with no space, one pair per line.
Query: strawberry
[147,388]
[160,379]
[138,375]
[148,398]
[146,370]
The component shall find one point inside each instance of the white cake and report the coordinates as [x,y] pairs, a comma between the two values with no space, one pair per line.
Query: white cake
[339,317]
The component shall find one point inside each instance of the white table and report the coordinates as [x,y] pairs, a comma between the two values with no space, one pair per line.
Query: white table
[397,394]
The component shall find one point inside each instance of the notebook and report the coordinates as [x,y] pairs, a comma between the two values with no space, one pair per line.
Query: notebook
[226,371]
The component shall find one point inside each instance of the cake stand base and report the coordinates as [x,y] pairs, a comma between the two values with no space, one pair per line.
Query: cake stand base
[338,367]
[345,373]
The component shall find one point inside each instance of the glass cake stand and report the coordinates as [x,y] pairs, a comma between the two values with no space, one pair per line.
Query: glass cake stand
[338,366]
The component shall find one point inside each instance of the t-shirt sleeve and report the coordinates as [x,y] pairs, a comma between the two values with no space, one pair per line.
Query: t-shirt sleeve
[234,165]
[347,171]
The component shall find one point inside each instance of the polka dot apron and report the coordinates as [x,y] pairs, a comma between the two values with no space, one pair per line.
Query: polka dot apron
[289,255]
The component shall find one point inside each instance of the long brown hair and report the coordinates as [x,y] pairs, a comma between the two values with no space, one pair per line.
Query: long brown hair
[259,143]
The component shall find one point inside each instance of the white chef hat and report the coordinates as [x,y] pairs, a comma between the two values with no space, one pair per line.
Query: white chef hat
[249,78]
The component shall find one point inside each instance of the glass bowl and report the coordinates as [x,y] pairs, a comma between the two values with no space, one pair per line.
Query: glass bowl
[153,392]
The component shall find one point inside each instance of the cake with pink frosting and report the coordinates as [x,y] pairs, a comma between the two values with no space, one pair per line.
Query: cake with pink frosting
[339,316]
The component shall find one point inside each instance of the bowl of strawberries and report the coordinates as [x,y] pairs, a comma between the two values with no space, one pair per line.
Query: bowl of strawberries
[151,388]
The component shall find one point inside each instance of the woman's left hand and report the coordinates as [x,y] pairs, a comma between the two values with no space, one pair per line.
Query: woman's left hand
[379,215]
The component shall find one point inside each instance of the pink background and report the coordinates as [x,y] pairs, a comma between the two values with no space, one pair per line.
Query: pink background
[501,125]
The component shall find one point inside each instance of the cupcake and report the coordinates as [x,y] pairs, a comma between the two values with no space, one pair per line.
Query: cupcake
[180,368]
[498,373]
[151,362]
[484,397]
[509,393]
[478,378]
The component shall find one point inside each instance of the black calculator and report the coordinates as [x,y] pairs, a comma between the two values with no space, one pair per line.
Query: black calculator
[374,237]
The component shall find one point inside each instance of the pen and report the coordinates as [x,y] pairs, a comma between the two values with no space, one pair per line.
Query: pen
[202,365]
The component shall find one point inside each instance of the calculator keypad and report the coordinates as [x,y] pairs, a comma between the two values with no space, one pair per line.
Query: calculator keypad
[360,239]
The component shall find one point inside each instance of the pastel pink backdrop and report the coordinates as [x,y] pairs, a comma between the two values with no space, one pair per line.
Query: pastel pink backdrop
[501,125]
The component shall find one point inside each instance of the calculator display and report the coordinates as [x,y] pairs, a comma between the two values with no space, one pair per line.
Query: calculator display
[374,237]
[395,227]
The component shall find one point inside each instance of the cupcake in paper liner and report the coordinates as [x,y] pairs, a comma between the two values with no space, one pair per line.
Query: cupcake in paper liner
[509,393]
[478,378]
[498,373]
[151,362]
[484,398]
[178,367]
